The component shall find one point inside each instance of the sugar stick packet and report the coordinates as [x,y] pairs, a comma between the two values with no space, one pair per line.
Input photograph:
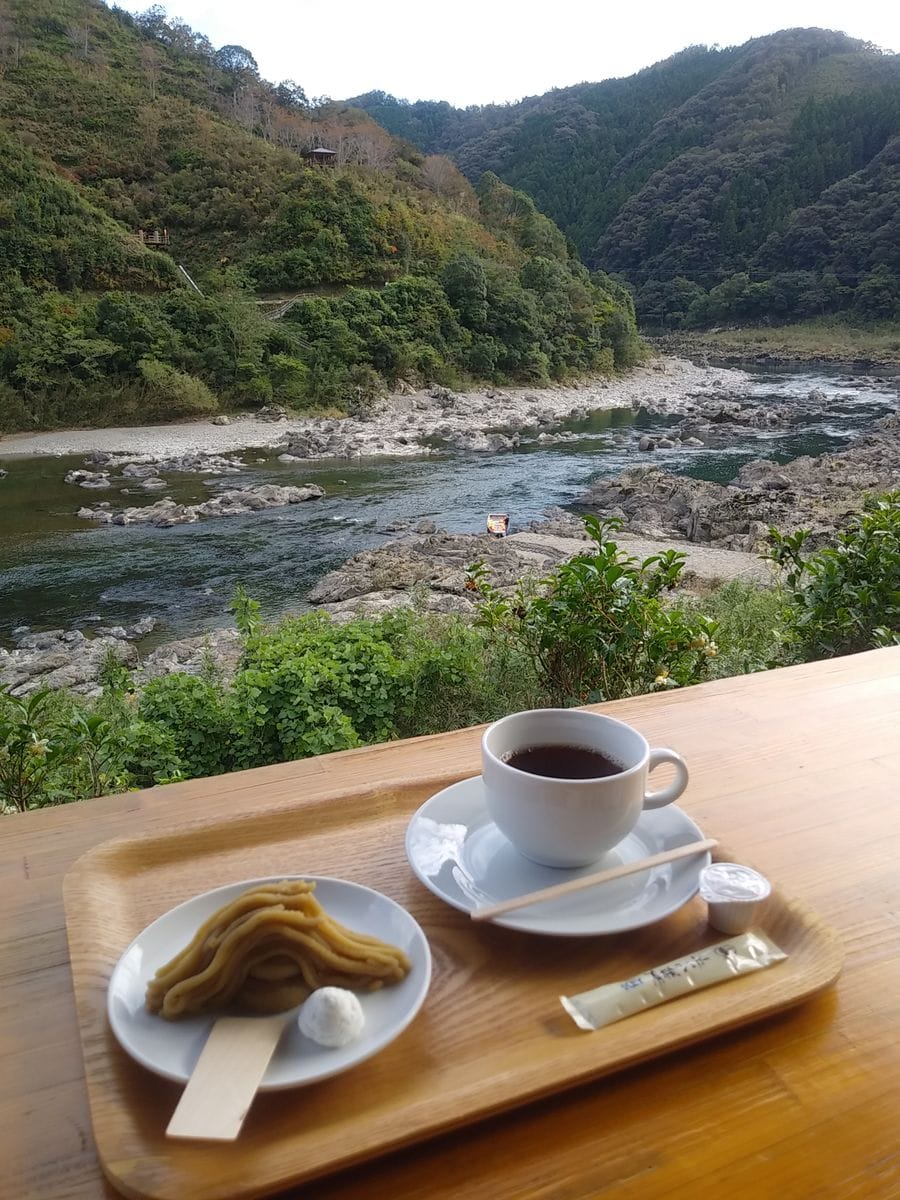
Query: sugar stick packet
[716,964]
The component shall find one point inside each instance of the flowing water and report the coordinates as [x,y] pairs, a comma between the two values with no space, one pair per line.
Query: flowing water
[57,570]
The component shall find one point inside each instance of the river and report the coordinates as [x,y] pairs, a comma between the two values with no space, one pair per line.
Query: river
[59,571]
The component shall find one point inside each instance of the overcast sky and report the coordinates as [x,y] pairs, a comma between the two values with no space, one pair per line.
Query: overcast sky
[477,51]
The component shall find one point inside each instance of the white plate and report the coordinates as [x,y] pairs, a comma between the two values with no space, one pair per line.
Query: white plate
[171,1048]
[461,856]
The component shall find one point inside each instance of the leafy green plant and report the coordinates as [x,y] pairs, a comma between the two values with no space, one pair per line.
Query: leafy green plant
[194,715]
[114,677]
[29,753]
[93,751]
[845,598]
[748,617]
[150,754]
[458,675]
[597,627]
[310,686]
[246,611]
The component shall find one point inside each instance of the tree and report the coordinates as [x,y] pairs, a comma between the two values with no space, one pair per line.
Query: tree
[235,60]
[290,95]
[152,22]
[151,66]
[446,180]
[10,44]
[464,281]
[878,296]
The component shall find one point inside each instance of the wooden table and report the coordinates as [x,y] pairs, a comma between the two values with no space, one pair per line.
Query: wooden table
[799,768]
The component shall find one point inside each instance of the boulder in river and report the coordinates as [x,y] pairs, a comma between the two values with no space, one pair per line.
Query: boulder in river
[483,443]
[272,412]
[166,513]
[136,470]
[88,479]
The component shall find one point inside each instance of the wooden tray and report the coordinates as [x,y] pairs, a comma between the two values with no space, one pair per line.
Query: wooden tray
[491,1035]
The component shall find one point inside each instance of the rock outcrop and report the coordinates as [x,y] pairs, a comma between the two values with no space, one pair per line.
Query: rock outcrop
[430,572]
[68,658]
[166,513]
[62,658]
[140,466]
[820,494]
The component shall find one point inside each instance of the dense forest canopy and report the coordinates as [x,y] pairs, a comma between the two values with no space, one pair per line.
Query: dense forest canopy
[758,181]
[112,125]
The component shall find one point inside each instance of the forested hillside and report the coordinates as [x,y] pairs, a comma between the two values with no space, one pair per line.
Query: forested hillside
[111,125]
[757,181]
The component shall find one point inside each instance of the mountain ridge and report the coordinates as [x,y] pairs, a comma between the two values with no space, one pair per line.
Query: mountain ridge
[697,169]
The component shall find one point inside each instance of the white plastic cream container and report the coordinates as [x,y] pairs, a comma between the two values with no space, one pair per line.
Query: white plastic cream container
[734,895]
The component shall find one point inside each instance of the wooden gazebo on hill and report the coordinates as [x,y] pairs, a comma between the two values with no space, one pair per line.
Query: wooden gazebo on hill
[319,156]
[153,237]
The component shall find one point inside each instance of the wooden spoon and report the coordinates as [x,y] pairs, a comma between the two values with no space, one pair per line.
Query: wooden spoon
[218,1095]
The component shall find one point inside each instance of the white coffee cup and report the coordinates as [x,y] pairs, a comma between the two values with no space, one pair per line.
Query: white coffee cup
[571,822]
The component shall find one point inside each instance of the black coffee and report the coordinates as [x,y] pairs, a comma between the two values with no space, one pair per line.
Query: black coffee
[563,762]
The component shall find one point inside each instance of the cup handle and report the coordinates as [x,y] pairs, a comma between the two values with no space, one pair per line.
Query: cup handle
[673,790]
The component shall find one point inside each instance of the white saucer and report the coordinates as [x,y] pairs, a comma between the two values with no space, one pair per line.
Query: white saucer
[171,1048]
[460,855]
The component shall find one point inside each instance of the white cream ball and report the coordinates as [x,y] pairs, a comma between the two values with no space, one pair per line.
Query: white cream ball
[331,1016]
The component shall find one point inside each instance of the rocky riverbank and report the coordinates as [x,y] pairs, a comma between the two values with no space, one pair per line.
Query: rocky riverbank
[77,659]
[722,414]
[431,571]
[408,422]
[820,494]
[719,527]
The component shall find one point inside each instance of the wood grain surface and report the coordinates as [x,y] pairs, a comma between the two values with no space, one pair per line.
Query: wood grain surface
[798,768]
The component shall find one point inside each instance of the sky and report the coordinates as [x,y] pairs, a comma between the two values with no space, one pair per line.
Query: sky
[483,51]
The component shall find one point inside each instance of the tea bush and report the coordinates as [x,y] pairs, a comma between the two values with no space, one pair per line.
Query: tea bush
[597,628]
[193,715]
[457,674]
[53,749]
[845,598]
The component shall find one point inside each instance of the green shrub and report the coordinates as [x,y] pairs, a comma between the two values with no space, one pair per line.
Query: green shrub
[748,621]
[597,629]
[15,414]
[846,598]
[31,749]
[458,675]
[311,686]
[150,754]
[54,748]
[193,713]
[173,393]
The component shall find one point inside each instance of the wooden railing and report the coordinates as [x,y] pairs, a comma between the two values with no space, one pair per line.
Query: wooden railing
[153,237]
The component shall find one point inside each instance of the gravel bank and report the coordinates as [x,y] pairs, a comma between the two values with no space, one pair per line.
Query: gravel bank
[659,384]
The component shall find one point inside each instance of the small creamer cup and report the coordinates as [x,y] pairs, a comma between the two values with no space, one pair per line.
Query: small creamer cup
[734,895]
[571,822]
